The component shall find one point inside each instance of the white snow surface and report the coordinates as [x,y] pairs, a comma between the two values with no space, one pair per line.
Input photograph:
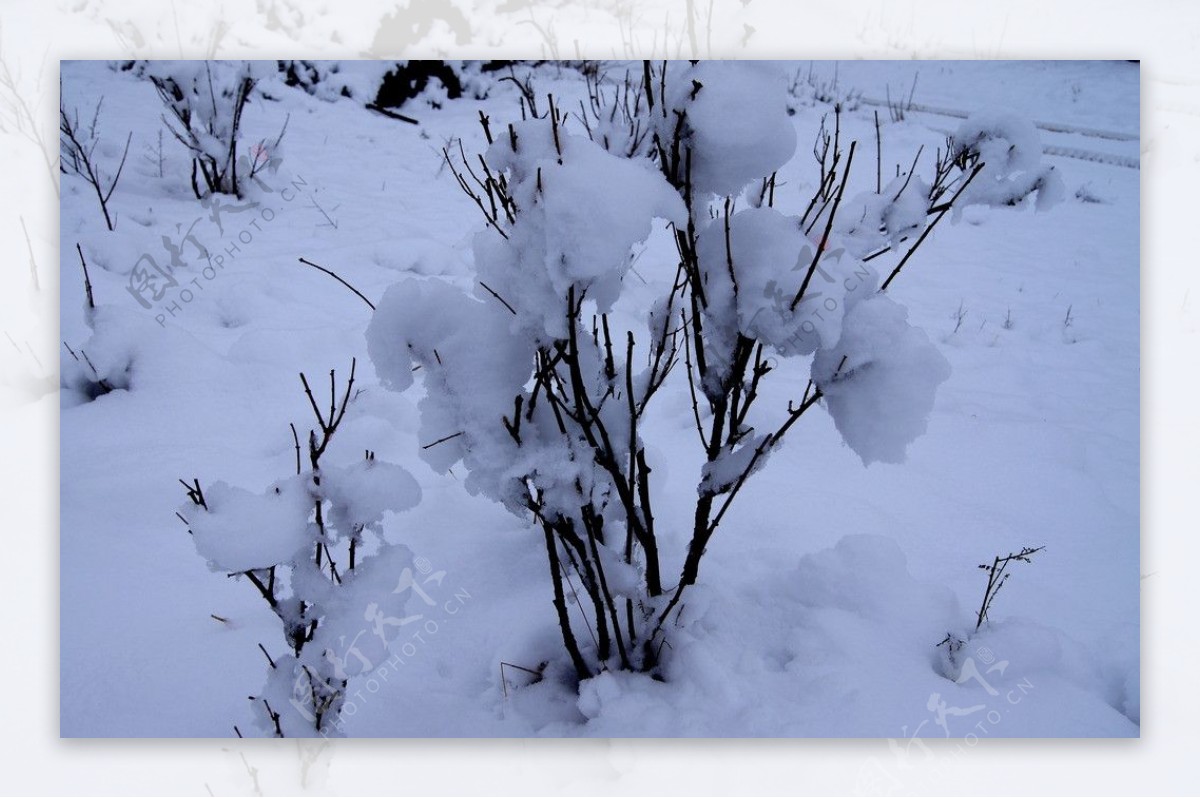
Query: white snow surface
[821,599]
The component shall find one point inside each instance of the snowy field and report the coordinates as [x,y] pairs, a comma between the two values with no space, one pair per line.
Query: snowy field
[822,597]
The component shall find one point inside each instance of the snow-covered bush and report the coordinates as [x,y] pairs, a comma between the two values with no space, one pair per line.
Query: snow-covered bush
[1010,151]
[105,364]
[997,577]
[204,102]
[312,545]
[539,385]
[809,88]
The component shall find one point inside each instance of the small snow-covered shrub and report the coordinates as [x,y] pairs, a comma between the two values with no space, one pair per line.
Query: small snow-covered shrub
[898,108]
[810,88]
[1010,151]
[106,362]
[312,545]
[204,102]
[81,377]
[539,385]
[997,577]
[78,146]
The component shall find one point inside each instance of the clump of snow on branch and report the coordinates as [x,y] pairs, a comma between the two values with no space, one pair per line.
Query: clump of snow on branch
[581,211]
[880,379]
[242,530]
[361,493]
[767,258]
[1011,151]
[735,121]
[471,364]
[871,221]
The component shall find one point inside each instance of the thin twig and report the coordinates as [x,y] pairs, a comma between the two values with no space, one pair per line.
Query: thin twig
[488,288]
[878,157]
[296,439]
[391,114]
[925,233]
[828,227]
[442,440]
[87,282]
[360,295]
[265,654]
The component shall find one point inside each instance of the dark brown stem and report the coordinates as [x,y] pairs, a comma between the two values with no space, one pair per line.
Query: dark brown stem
[943,210]
[560,607]
[87,281]
[296,440]
[360,294]
[828,227]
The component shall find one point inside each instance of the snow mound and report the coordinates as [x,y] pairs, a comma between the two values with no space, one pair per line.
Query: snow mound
[833,635]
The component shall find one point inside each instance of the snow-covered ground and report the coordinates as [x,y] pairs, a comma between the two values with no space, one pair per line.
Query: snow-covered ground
[820,602]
